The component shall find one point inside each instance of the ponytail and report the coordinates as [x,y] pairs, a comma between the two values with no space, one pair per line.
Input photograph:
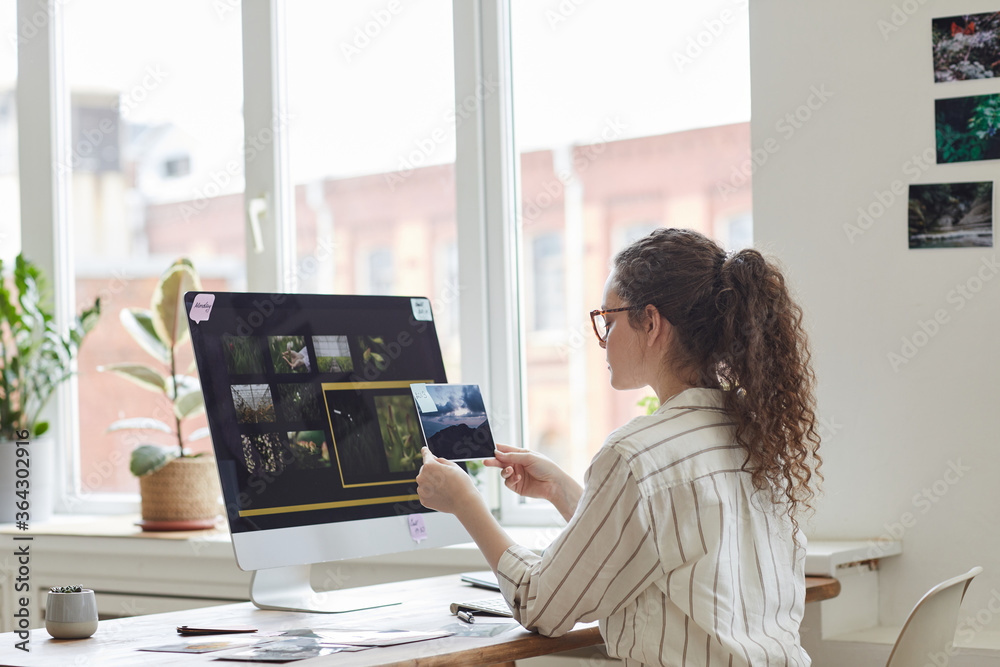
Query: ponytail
[737,329]
[763,356]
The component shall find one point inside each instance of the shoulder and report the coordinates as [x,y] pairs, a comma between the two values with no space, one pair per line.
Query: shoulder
[690,436]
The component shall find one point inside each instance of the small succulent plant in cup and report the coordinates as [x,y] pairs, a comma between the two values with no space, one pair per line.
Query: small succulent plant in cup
[66,589]
[70,612]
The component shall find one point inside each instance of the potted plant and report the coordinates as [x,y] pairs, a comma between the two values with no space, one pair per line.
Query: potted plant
[35,357]
[71,612]
[179,489]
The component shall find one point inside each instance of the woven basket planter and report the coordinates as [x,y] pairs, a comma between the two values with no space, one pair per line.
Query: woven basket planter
[186,489]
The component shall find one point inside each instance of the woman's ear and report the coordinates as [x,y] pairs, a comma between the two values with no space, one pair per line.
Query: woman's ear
[655,325]
[658,329]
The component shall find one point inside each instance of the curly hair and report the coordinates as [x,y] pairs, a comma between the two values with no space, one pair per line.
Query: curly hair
[736,328]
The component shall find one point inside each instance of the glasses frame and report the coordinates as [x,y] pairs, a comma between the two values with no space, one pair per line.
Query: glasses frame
[602,313]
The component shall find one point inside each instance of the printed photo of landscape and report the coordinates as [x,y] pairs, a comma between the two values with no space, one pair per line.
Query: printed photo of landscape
[459,429]
[951,215]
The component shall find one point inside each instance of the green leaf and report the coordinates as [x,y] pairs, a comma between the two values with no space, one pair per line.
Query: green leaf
[144,376]
[168,302]
[183,384]
[188,404]
[40,428]
[34,355]
[144,423]
[139,323]
[199,434]
[148,459]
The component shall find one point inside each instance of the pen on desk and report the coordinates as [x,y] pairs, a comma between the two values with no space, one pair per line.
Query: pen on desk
[466,616]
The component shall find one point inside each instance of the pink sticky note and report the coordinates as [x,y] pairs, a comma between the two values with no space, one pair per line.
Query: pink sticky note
[201,307]
[418,530]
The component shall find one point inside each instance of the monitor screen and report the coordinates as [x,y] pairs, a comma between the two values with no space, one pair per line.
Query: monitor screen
[313,424]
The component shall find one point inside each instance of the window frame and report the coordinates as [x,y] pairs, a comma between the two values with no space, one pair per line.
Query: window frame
[486,169]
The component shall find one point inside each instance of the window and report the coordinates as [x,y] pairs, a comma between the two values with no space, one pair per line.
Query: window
[377,272]
[136,204]
[176,166]
[371,149]
[10,232]
[549,297]
[737,232]
[619,130]
[626,234]
[371,124]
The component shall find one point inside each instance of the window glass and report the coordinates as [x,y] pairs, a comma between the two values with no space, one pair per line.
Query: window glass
[10,214]
[547,275]
[157,173]
[372,120]
[628,115]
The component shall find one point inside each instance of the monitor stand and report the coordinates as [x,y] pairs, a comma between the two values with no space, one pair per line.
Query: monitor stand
[288,589]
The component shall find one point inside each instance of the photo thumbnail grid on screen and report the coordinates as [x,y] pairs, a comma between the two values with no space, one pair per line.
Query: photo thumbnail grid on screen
[309,405]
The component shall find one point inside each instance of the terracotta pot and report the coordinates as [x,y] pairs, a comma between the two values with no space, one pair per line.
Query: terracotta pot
[184,490]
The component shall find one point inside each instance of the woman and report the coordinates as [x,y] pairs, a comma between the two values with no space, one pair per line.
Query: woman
[683,540]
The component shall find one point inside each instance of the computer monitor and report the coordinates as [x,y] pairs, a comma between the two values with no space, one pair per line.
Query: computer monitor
[315,432]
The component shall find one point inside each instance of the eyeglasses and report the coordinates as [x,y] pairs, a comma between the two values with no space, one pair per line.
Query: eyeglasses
[601,324]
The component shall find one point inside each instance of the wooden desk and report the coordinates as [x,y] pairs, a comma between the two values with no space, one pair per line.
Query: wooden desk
[424,607]
[821,588]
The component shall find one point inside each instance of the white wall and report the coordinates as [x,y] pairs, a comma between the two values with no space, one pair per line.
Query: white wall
[895,432]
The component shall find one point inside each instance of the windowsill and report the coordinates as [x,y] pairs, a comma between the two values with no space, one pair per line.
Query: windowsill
[823,558]
[217,542]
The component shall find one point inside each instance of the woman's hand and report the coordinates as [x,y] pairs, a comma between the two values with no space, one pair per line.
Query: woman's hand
[445,487]
[535,476]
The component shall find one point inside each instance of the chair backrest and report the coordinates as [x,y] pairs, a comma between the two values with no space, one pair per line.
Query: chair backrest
[928,636]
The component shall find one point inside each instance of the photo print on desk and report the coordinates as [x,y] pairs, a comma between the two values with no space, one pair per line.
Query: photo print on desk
[951,215]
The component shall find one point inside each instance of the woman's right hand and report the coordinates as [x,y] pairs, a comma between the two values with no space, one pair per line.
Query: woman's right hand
[533,475]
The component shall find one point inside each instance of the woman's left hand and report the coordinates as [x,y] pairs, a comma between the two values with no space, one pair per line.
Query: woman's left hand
[443,486]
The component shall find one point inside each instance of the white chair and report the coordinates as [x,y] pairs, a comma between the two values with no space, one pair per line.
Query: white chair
[928,635]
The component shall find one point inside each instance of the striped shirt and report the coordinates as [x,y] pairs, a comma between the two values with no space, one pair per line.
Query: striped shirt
[671,550]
